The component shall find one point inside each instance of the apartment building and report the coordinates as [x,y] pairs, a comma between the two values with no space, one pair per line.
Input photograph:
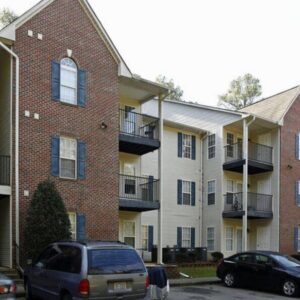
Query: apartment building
[66,114]
[243,159]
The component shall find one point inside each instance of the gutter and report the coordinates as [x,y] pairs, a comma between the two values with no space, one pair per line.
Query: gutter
[17,243]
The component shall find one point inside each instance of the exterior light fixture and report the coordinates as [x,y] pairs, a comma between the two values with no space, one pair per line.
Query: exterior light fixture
[103,125]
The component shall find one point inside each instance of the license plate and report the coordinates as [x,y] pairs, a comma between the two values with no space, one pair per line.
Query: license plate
[118,286]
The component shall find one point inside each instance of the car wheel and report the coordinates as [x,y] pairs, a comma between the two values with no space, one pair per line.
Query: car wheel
[28,292]
[289,288]
[229,280]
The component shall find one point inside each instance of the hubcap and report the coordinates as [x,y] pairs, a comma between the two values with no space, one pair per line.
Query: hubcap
[229,279]
[289,288]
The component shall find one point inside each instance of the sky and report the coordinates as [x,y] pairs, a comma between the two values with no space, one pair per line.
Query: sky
[203,44]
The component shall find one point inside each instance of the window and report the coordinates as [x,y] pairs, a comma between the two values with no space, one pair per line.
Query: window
[72,218]
[129,233]
[211,146]
[298,239]
[68,155]
[210,239]
[211,192]
[230,142]
[229,238]
[297,192]
[229,194]
[68,81]
[129,123]
[186,145]
[144,237]
[186,192]
[186,237]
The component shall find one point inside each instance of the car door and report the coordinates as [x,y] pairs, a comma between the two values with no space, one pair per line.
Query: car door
[246,269]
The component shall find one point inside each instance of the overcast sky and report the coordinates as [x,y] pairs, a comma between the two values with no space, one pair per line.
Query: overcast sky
[203,44]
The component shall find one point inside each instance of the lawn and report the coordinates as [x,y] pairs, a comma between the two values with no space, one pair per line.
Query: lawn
[196,272]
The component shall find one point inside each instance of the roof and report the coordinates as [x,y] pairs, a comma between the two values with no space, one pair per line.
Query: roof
[274,107]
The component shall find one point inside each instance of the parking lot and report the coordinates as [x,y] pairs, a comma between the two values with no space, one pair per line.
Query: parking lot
[219,292]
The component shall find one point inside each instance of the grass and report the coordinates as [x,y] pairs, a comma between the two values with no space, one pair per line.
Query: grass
[196,272]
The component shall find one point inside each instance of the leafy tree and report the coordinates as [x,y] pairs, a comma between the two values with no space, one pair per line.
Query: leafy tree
[6,17]
[176,91]
[242,91]
[47,219]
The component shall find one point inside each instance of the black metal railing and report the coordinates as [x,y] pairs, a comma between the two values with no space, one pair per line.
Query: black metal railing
[138,188]
[256,202]
[256,152]
[4,170]
[139,125]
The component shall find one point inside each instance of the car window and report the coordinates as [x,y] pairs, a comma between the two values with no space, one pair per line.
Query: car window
[286,261]
[114,261]
[262,259]
[245,258]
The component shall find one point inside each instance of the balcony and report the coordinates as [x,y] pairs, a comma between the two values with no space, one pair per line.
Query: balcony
[139,133]
[138,193]
[259,206]
[4,170]
[259,158]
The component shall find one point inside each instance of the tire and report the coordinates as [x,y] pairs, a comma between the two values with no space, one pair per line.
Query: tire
[28,292]
[289,288]
[229,279]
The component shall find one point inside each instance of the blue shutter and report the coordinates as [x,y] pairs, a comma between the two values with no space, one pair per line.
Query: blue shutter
[150,238]
[81,159]
[179,191]
[179,147]
[193,147]
[192,237]
[55,81]
[179,237]
[193,195]
[296,238]
[80,230]
[81,88]
[55,142]
[151,179]
[297,146]
[297,196]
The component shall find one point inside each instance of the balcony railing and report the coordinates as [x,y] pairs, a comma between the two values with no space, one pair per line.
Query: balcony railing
[138,188]
[4,170]
[139,125]
[256,202]
[256,152]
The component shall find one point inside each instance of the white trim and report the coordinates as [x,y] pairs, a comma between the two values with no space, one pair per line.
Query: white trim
[5,190]
[135,238]
[226,238]
[190,228]
[60,157]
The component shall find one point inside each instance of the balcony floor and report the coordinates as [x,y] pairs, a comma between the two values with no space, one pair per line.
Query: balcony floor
[254,167]
[251,214]
[138,205]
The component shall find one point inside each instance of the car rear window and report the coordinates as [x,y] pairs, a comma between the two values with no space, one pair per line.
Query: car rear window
[114,261]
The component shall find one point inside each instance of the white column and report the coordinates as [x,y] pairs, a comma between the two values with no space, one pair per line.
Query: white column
[245,184]
[160,171]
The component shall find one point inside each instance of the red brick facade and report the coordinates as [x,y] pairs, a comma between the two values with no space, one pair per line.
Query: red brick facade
[65,25]
[289,174]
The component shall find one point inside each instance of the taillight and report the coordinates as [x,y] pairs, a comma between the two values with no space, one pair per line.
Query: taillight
[13,288]
[147,282]
[84,287]
[3,290]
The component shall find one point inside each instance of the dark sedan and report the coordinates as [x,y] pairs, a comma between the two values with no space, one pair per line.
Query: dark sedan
[262,270]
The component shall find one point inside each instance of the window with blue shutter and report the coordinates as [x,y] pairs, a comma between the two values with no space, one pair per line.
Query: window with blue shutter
[55,145]
[150,237]
[179,191]
[81,159]
[193,147]
[297,145]
[81,224]
[179,237]
[193,237]
[82,88]
[296,239]
[179,144]
[55,80]
[193,188]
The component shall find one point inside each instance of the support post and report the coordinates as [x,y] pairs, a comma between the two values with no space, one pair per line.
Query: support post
[245,184]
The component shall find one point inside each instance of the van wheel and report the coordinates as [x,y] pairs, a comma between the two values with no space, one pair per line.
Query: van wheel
[229,279]
[28,293]
[289,288]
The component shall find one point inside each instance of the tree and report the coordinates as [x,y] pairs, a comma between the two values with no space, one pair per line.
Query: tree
[47,219]
[176,91]
[6,17]
[242,91]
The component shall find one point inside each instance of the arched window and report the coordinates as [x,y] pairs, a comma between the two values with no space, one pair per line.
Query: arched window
[68,81]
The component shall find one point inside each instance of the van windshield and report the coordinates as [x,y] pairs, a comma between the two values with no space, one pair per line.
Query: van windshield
[114,261]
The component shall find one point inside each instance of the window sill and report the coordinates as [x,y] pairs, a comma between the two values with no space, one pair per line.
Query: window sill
[68,104]
[68,179]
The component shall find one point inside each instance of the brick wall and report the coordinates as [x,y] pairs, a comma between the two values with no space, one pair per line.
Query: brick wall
[64,25]
[289,212]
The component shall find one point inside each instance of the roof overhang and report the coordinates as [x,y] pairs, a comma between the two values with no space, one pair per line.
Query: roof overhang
[181,126]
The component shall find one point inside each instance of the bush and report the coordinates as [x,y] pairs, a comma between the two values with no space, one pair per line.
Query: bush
[216,256]
[47,219]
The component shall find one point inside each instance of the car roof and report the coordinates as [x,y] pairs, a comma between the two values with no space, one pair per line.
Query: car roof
[265,252]
[96,244]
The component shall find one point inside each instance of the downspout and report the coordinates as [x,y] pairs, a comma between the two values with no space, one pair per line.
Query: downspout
[16,148]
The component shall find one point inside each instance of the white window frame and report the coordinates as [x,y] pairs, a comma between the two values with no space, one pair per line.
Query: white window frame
[211,146]
[186,240]
[211,192]
[186,144]
[184,184]
[229,239]
[73,232]
[67,158]
[210,239]
[145,237]
[73,70]
[124,231]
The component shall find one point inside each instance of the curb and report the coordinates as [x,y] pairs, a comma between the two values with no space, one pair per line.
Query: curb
[194,281]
